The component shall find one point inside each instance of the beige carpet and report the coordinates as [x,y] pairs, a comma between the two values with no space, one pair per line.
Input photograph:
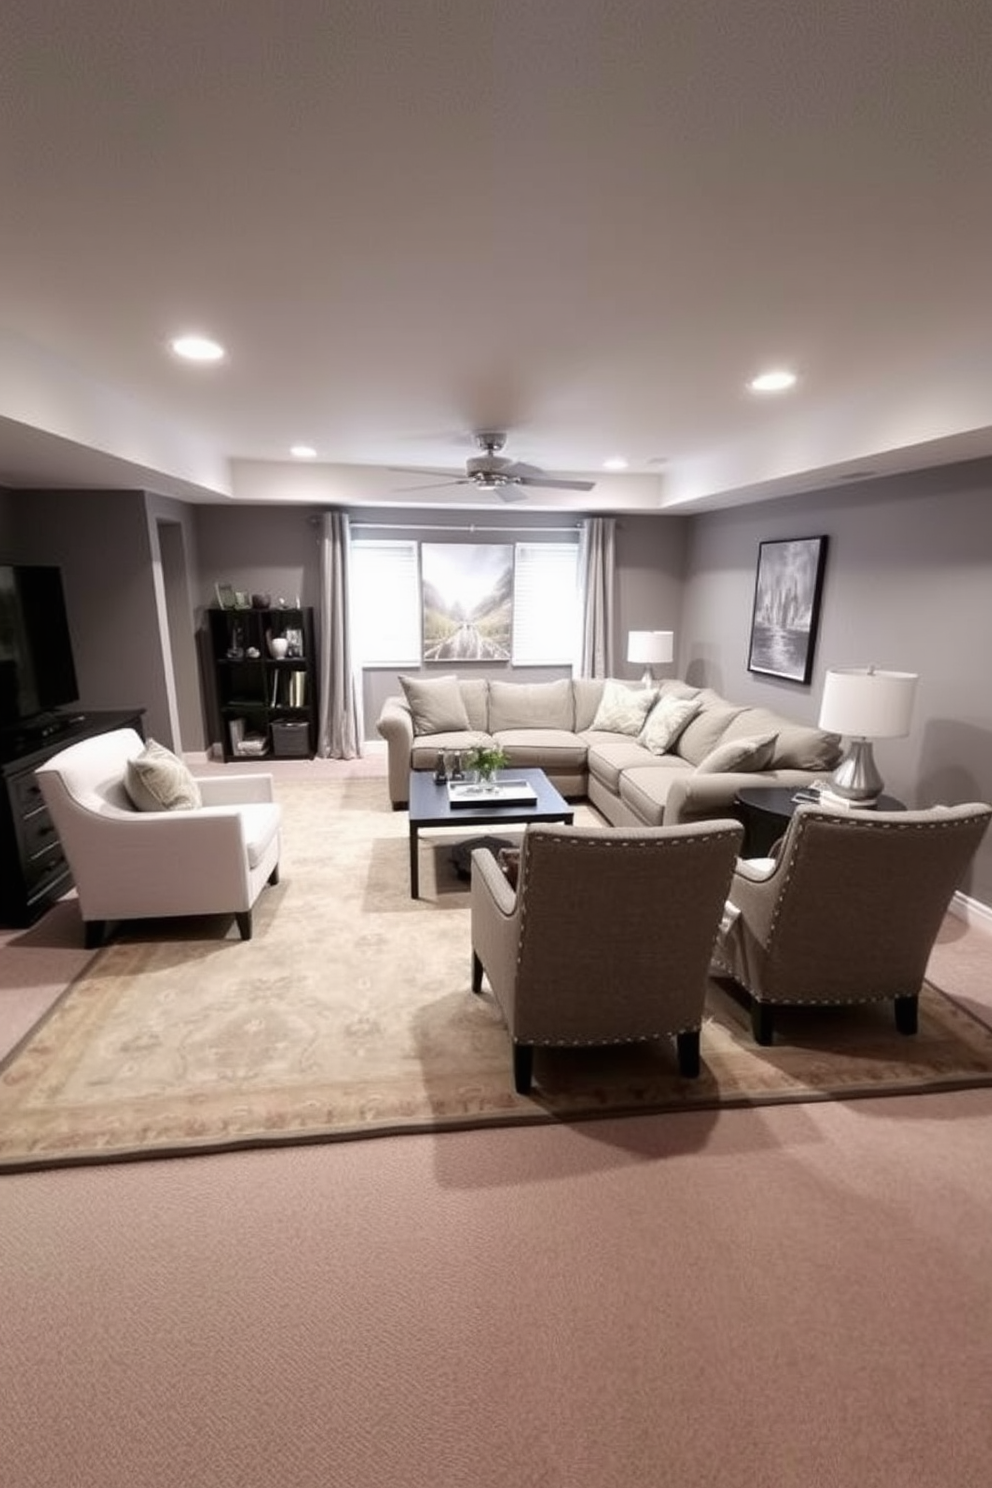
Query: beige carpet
[349,1014]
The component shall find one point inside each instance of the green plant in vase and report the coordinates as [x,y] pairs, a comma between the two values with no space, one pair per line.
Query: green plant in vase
[485,760]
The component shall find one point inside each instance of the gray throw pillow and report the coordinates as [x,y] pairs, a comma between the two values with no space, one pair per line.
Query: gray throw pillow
[436,705]
[755,753]
[666,721]
[158,780]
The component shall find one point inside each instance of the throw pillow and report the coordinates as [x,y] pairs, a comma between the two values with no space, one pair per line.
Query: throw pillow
[666,721]
[623,709]
[436,705]
[755,753]
[158,780]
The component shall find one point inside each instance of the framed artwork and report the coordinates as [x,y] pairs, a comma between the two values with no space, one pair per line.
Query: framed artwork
[786,612]
[467,599]
[226,597]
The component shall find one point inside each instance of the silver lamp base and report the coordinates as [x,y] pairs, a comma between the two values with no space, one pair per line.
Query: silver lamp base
[856,778]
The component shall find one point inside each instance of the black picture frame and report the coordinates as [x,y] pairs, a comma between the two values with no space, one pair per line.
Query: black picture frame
[785,616]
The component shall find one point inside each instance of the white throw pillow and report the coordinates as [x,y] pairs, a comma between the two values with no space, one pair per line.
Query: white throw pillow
[436,705]
[158,780]
[755,753]
[623,709]
[666,721]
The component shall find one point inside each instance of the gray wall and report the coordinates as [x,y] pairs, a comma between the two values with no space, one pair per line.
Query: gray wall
[908,585]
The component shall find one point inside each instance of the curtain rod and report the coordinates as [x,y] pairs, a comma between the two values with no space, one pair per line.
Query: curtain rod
[451,527]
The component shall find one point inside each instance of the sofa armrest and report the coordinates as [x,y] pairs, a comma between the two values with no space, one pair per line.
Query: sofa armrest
[695,796]
[395,725]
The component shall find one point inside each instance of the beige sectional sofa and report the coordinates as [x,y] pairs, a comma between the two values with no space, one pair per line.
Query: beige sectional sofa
[723,747]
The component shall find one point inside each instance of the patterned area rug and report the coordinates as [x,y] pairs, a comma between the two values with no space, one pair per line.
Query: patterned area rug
[349,1014]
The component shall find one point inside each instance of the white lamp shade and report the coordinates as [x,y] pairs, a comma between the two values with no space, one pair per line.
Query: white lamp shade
[867,704]
[650,646]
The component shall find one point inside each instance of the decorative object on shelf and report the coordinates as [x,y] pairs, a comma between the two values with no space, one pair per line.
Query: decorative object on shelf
[650,648]
[278,647]
[226,597]
[787,588]
[485,760]
[294,640]
[236,645]
[241,600]
[253,653]
[261,601]
[864,703]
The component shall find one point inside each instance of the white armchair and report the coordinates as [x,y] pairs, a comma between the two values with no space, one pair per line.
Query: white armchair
[130,864]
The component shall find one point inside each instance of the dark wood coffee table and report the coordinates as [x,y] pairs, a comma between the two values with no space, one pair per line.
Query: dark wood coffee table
[430,807]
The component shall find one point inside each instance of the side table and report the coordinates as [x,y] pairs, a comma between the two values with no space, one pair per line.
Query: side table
[766,812]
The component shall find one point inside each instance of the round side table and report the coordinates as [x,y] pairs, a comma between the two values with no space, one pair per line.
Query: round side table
[765,814]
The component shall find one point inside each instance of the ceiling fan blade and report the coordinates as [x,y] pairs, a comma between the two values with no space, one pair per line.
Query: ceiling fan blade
[431,486]
[555,485]
[418,470]
[511,493]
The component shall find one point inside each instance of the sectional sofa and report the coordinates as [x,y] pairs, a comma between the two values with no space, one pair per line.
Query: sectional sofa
[643,757]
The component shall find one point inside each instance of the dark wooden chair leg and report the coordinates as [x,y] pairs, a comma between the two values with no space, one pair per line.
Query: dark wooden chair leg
[762,1022]
[907,1014]
[243,917]
[274,876]
[476,973]
[523,1068]
[687,1045]
[94,934]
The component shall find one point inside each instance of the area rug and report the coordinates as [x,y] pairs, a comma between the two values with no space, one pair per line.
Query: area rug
[350,1014]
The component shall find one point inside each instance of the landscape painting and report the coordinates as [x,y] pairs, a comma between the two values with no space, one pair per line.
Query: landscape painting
[787,607]
[467,593]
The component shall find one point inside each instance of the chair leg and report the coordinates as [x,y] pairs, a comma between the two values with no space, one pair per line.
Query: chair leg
[762,1022]
[907,1014]
[476,973]
[523,1068]
[687,1045]
[243,917]
[273,878]
[94,934]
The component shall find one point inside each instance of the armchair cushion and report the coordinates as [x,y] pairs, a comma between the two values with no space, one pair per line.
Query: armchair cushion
[158,780]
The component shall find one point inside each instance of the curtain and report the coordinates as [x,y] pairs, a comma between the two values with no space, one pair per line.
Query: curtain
[341,723]
[598,565]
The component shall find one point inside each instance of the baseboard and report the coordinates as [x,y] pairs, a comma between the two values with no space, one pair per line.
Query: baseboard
[973,912]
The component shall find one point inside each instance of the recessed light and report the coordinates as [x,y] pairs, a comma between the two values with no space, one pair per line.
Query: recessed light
[779,380]
[198,349]
[303,452]
[615,462]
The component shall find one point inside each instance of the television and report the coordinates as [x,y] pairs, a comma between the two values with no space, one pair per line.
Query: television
[37,671]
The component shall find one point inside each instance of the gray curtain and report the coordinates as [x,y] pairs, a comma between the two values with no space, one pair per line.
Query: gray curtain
[341,723]
[598,567]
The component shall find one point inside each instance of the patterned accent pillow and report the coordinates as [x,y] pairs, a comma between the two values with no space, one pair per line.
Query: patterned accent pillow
[755,753]
[666,721]
[623,709]
[158,780]
[436,705]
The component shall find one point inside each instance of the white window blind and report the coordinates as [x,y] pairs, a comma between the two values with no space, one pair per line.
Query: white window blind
[546,608]
[385,603]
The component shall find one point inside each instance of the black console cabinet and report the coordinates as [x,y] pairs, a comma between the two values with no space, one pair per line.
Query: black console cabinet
[33,871]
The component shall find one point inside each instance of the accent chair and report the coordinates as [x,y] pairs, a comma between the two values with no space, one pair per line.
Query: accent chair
[606,938]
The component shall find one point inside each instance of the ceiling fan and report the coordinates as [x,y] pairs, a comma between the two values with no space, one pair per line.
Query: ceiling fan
[490,471]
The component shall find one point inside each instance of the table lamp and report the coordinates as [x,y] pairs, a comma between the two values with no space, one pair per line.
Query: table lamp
[864,704]
[648,647]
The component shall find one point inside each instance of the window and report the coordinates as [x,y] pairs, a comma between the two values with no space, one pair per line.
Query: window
[547,613]
[385,603]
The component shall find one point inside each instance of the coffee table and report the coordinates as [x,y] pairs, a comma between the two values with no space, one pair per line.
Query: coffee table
[430,807]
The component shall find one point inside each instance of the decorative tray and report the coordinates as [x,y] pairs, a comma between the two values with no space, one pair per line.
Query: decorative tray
[503,793]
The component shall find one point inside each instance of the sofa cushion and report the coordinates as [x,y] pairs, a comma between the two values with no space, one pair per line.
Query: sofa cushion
[542,748]
[523,705]
[645,788]
[158,780]
[798,746]
[436,704]
[610,754]
[666,721]
[425,750]
[623,708]
[587,693]
[704,732]
[754,752]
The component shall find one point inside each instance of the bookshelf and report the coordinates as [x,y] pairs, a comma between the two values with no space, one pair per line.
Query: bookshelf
[266,693]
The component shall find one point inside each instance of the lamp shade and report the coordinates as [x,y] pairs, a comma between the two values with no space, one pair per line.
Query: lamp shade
[867,704]
[650,646]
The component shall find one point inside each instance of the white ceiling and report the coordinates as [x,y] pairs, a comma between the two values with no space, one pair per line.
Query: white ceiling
[587,222]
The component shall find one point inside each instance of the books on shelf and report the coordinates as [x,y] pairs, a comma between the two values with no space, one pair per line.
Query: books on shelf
[289,688]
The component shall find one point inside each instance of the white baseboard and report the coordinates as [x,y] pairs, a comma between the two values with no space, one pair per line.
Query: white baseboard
[973,912]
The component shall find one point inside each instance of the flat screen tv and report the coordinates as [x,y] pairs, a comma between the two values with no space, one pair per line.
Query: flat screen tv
[37,673]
